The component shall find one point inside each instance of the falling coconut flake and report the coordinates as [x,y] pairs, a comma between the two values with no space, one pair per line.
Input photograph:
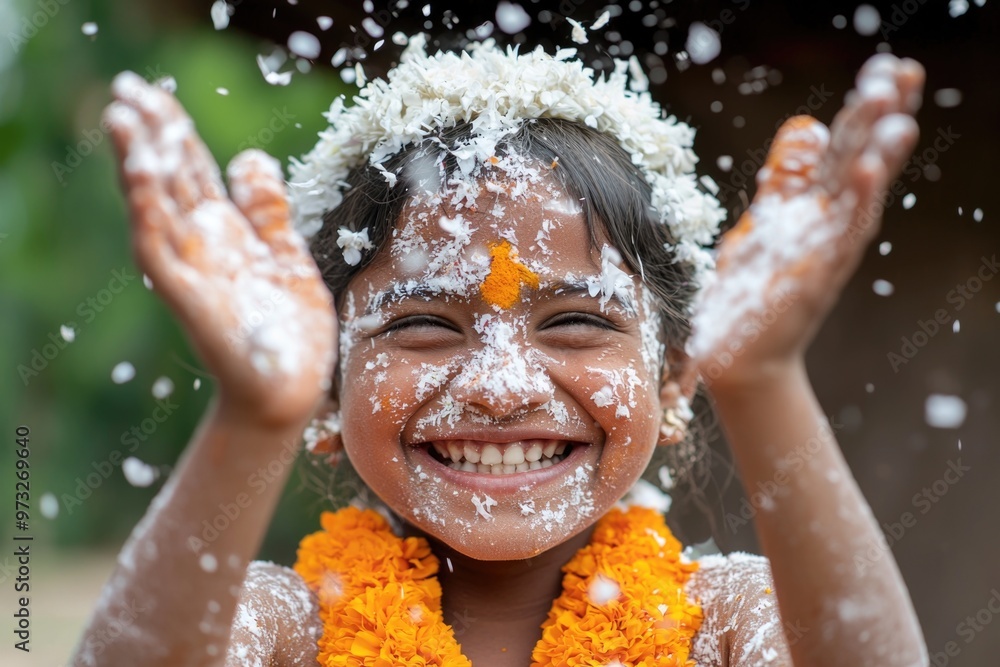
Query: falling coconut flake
[512,18]
[579,34]
[601,21]
[947,98]
[147,282]
[49,506]
[909,200]
[220,14]
[196,384]
[944,411]
[977,215]
[956,326]
[272,77]
[137,473]
[884,248]
[89,29]
[866,20]
[222,91]
[67,333]
[957,7]
[122,373]
[324,22]
[839,21]
[163,387]
[869,387]
[724,162]
[883,287]
[703,43]
[304,44]
[208,563]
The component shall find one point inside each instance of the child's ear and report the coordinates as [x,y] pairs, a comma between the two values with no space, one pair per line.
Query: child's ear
[677,388]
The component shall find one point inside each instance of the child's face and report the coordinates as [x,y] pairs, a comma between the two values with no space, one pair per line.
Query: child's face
[557,352]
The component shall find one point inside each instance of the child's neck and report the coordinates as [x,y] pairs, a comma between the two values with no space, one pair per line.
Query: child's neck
[496,608]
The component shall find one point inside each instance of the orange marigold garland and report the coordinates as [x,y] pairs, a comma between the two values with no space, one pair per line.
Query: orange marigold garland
[381,603]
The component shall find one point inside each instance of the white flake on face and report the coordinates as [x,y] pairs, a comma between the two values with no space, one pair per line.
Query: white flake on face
[483,506]
[613,282]
[579,501]
[620,389]
[503,371]
[430,378]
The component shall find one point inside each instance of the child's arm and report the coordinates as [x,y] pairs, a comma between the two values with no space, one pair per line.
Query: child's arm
[815,212]
[256,310]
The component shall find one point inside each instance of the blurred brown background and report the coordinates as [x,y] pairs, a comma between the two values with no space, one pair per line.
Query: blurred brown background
[63,234]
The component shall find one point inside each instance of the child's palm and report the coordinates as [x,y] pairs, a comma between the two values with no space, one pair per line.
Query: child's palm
[237,276]
[781,268]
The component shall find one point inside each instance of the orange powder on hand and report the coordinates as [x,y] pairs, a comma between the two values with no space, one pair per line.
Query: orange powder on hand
[502,287]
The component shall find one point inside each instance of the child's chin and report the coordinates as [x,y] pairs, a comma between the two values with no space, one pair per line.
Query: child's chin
[505,540]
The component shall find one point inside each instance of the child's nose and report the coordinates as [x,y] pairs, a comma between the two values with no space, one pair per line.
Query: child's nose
[502,387]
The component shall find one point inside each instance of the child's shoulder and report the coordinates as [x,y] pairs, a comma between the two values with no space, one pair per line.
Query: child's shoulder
[277,619]
[742,626]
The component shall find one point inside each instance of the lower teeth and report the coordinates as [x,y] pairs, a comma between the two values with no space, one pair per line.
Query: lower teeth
[504,469]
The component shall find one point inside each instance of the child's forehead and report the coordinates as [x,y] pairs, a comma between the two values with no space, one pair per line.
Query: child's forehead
[539,218]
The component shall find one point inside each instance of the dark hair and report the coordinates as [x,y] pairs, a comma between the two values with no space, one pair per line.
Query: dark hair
[592,167]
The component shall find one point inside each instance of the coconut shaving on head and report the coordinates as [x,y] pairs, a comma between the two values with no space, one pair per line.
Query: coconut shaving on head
[496,91]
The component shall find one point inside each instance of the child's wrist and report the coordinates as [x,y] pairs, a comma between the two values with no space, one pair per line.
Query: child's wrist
[231,412]
[758,377]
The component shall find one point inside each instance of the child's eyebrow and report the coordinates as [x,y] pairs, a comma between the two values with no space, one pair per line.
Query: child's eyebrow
[583,287]
[416,289]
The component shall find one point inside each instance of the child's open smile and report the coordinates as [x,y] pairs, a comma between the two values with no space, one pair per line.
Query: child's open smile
[495,366]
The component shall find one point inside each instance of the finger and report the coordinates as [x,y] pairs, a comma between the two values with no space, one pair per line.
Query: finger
[152,210]
[850,135]
[258,190]
[792,164]
[188,168]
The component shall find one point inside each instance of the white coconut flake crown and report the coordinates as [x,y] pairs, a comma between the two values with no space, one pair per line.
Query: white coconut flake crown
[497,90]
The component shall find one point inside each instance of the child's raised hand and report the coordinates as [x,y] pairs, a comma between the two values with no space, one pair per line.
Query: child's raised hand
[233,270]
[781,268]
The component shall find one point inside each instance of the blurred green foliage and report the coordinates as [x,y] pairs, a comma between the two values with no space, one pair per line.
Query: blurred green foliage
[64,234]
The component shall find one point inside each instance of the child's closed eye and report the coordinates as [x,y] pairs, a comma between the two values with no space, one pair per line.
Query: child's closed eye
[421,331]
[577,330]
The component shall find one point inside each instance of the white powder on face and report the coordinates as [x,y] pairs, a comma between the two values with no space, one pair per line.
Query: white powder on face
[650,326]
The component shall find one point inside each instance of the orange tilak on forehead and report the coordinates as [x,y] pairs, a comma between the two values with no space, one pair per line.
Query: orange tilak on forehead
[502,287]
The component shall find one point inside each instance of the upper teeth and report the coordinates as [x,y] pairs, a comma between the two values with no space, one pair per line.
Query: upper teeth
[473,456]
